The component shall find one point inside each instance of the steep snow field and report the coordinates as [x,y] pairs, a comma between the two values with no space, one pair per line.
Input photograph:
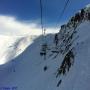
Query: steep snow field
[29,73]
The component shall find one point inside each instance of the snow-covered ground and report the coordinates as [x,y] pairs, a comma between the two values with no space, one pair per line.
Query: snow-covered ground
[29,73]
[12,46]
[26,71]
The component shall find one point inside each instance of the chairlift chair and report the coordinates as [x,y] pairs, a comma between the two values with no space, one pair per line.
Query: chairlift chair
[43,49]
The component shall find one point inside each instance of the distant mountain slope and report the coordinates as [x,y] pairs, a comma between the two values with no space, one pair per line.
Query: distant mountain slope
[12,46]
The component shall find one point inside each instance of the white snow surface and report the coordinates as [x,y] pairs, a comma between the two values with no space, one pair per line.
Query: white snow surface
[29,73]
[12,46]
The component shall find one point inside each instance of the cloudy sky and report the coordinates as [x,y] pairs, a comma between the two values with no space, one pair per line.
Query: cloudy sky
[23,16]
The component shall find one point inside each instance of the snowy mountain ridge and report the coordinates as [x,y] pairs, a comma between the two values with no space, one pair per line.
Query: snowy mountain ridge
[67,64]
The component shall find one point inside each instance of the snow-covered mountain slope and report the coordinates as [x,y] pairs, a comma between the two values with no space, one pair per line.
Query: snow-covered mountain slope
[29,73]
[78,78]
[12,46]
[67,65]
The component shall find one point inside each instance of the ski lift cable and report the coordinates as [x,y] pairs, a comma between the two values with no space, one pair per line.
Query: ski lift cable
[61,15]
[41,16]
[41,11]
[42,25]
